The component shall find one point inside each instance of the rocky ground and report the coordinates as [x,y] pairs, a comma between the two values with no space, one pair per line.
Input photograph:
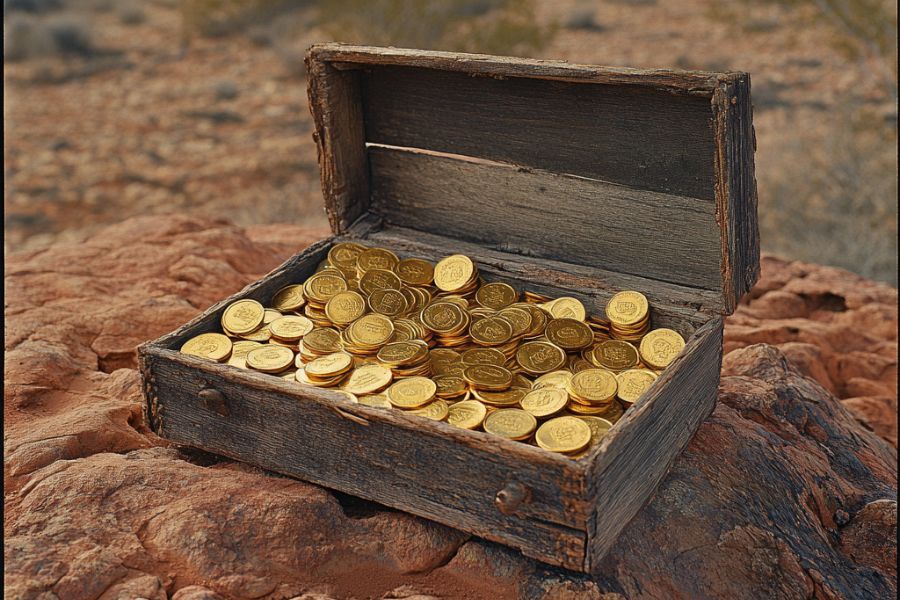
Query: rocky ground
[787,491]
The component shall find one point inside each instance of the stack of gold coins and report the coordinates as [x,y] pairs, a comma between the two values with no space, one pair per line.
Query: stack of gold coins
[629,316]
[440,343]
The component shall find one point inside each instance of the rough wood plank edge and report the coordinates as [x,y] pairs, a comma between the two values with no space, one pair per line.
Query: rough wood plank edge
[346,56]
[736,195]
[336,106]
[644,442]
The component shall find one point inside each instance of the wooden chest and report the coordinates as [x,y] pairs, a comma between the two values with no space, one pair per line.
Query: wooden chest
[560,179]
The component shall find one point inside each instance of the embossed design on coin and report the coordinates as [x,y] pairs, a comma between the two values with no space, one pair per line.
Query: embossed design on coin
[289,298]
[270,358]
[511,423]
[213,346]
[615,355]
[627,308]
[544,402]
[453,273]
[563,434]
[413,392]
[496,295]
[660,347]
[243,316]
[569,334]
[468,414]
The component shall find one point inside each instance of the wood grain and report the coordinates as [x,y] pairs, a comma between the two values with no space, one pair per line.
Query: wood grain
[631,460]
[500,207]
[642,138]
[337,111]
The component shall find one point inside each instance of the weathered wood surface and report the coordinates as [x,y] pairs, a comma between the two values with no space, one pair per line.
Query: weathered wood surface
[502,207]
[631,460]
[642,138]
[336,107]
[736,194]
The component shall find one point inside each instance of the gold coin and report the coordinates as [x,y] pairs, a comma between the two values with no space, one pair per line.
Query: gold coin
[330,365]
[372,330]
[483,356]
[289,298]
[270,315]
[436,411]
[415,271]
[443,317]
[558,379]
[660,347]
[345,307]
[322,340]
[239,352]
[633,383]
[519,318]
[413,392]
[391,303]
[368,379]
[539,320]
[345,254]
[322,286]
[491,331]
[291,328]
[400,353]
[615,355]
[569,334]
[511,423]
[243,316]
[566,435]
[468,414]
[213,346]
[496,295]
[599,427]
[379,279]
[511,397]
[488,377]
[453,273]
[377,258]
[545,402]
[627,308]
[260,335]
[593,386]
[270,358]
[566,307]
[540,357]
[375,400]
[450,386]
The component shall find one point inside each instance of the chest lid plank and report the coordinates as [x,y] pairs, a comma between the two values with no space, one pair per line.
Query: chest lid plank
[641,172]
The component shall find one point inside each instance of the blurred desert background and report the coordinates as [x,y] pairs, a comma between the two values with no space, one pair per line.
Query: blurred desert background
[120,108]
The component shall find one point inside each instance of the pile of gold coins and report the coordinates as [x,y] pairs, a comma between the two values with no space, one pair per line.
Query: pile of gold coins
[438,342]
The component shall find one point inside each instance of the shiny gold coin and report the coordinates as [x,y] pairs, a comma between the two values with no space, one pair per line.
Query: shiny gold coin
[566,307]
[375,400]
[376,258]
[539,320]
[593,386]
[391,303]
[260,335]
[320,382]
[289,298]
[443,317]
[565,435]
[379,279]
[483,356]
[540,357]
[519,318]
[330,365]
[212,346]
[345,307]
[511,423]
[270,315]
[322,340]
[468,414]
[450,386]
[270,358]
[633,383]
[239,352]
[243,316]
[627,308]
[454,273]
[491,331]
[599,428]
[496,295]
[545,402]
[321,287]
[371,330]
[660,347]
[615,355]
[400,353]
[520,381]
[290,328]
[368,379]
[413,392]
[345,254]
[488,377]
[415,271]
[569,334]
[559,379]
[511,397]
[437,410]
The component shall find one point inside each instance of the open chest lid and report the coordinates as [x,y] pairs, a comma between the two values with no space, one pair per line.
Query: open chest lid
[642,172]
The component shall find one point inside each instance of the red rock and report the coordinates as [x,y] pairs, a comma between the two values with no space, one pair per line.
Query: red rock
[782,493]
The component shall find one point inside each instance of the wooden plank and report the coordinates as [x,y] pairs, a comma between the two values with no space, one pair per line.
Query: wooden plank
[540,214]
[345,56]
[639,137]
[427,468]
[628,464]
[736,195]
[336,107]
